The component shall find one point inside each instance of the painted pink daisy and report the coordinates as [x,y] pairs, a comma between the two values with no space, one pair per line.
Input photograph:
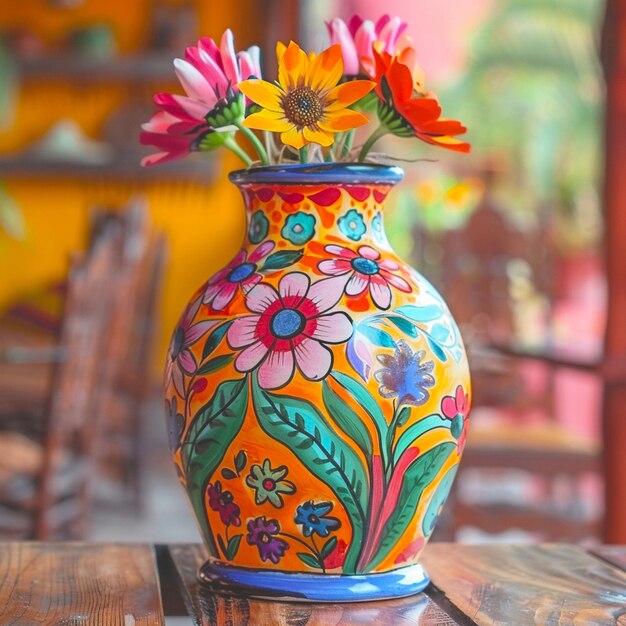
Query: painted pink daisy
[289,329]
[364,269]
[180,360]
[239,273]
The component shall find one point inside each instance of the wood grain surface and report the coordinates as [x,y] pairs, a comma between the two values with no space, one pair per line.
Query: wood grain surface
[542,585]
[78,584]
[208,608]
[615,555]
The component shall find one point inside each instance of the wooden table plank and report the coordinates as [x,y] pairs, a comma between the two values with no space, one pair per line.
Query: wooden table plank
[208,608]
[613,554]
[516,585]
[78,584]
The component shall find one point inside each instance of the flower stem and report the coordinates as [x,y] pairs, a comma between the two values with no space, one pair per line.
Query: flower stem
[304,154]
[254,140]
[347,145]
[235,148]
[371,140]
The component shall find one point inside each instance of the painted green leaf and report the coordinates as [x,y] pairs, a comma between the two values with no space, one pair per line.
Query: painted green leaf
[437,349]
[308,559]
[233,547]
[377,336]
[365,399]
[416,478]
[413,432]
[437,501]
[328,547]
[407,327]
[302,428]
[227,473]
[347,419]
[426,313]
[222,545]
[212,431]
[440,333]
[214,339]
[240,460]
[281,259]
[215,364]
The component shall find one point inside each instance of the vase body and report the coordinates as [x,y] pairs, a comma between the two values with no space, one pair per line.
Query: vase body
[317,392]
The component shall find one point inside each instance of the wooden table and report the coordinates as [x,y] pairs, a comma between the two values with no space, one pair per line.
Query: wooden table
[137,584]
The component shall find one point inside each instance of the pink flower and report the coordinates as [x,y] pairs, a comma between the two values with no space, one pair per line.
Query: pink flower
[180,360]
[359,36]
[290,328]
[209,76]
[240,272]
[456,409]
[364,269]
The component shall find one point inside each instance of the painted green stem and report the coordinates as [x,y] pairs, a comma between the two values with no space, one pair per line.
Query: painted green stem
[255,141]
[371,140]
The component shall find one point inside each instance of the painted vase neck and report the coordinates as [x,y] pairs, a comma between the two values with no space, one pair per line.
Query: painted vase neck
[301,215]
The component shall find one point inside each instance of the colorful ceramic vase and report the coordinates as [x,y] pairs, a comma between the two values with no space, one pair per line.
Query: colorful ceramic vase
[317,392]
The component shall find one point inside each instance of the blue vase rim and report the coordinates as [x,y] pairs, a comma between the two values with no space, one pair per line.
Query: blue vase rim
[319,173]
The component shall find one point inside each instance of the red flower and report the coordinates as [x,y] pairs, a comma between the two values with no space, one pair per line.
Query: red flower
[222,502]
[407,113]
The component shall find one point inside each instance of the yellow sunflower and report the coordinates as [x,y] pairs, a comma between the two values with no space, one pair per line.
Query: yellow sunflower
[307,105]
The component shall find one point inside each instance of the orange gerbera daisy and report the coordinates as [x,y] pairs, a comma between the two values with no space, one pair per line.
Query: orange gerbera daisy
[405,112]
[307,105]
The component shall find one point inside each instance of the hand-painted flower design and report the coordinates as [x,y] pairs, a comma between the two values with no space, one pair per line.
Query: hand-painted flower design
[377,227]
[222,502]
[299,228]
[175,423]
[258,228]
[262,534]
[240,272]
[269,484]
[314,518]
[352,225]
[405,376]
[364,269]
[290,328]
[180,360]
[456,408]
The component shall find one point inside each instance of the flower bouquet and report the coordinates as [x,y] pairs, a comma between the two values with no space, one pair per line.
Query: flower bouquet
[317,388]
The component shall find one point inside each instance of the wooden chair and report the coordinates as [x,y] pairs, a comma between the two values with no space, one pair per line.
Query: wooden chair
[45,483]
[522,469]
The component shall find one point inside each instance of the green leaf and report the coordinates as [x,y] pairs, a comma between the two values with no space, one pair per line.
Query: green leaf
[403,416]
[440,333]
[413,432]
[281,259]
[416,478]
[437,349]
[240,460]
[347,419]
[404,325]
[223,548]
[377,336]
[328,547]
[233,547]
[365,399]
[309,559]
[214,339]
[299,426]
[212,430]
[227,473]
[215,364]
[437,501]
[426,313]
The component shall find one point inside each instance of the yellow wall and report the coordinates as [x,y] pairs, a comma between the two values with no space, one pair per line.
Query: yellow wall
[204,223]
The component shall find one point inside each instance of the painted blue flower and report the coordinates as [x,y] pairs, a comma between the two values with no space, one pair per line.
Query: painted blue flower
[313,518]
[405,376]
[259,225]
[352,225]
[299,228]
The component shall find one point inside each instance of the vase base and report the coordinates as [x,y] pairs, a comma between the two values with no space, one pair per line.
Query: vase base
[296,587]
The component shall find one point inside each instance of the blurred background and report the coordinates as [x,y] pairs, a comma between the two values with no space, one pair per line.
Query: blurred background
[523,237]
